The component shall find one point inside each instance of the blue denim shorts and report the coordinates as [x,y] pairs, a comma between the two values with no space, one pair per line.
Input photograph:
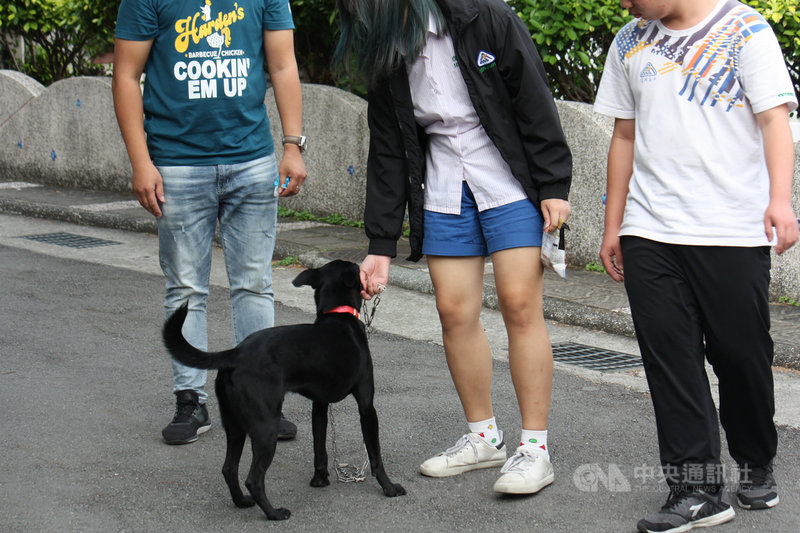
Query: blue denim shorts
[481,233]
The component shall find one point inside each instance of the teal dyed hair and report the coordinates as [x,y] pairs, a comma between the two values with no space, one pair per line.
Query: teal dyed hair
[377,34]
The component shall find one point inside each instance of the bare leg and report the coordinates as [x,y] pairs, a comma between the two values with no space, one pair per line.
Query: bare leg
[519,277]
[458,282]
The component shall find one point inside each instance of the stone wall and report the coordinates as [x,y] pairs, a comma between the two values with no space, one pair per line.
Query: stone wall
[67,135]
[335,123]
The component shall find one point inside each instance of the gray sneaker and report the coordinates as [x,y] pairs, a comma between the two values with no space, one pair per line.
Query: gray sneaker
[687,510]
[757,487]
[190,420]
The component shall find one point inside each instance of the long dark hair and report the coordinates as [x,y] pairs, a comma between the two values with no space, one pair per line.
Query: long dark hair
[377,34]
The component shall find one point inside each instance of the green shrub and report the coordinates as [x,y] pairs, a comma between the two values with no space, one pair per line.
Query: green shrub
[594,266]
[336,219]
[573,37]
[60,37]
[784,16]
[289,260]
[315,38]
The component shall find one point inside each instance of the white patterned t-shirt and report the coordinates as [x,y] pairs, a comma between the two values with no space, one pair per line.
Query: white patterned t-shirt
[699,174]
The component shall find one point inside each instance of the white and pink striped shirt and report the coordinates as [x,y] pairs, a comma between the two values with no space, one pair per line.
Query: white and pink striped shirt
[459,149]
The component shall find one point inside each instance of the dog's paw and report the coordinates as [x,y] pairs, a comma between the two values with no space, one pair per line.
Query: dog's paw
[320,479]
[394,489]
[244,502]
[279,514]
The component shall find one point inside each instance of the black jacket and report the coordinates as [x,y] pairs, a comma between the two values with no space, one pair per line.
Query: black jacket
[513,102]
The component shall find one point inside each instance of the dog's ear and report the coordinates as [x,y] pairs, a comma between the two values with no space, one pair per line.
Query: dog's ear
[349,280]
[307,277]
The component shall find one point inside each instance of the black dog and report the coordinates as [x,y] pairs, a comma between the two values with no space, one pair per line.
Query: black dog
[324,361]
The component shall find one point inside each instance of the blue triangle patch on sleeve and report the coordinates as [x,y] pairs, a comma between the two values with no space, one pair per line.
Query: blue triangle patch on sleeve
[485,58]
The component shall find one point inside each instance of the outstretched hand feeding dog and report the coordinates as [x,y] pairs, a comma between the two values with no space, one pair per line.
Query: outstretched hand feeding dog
[324,361]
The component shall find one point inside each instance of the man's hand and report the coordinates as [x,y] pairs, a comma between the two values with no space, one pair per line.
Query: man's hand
[781,217]
[148,187]
[779,155]
[293,167]
[611,256]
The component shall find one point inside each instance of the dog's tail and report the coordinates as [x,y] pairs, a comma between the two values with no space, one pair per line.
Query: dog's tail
[185,353]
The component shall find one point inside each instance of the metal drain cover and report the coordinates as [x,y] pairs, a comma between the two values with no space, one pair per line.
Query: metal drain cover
[69,239]
[594,358]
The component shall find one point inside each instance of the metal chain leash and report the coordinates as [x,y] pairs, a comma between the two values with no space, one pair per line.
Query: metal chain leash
[345,472]
[368,311]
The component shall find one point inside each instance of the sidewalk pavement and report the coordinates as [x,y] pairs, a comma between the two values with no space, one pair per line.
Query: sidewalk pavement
[587,299]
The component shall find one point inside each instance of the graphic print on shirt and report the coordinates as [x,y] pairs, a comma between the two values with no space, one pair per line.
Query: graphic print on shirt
[707,60]
[210,68]
[649,73]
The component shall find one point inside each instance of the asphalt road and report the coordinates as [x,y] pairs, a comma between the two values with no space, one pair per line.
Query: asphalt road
[85,390]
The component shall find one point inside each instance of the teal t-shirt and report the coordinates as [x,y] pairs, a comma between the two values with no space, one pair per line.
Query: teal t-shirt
[205,82]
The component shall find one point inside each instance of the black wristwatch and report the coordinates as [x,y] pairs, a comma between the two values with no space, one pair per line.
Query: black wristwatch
[300,141]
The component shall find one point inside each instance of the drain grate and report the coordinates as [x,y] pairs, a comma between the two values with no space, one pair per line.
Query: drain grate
[594,358]
[69,239]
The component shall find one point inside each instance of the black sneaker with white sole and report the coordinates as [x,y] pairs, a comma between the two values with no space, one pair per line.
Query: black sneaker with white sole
[190,420]
[686,510]
[757,488]
[286,429]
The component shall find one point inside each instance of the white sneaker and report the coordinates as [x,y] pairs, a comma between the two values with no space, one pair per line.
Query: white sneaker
[525,472]
[470,453]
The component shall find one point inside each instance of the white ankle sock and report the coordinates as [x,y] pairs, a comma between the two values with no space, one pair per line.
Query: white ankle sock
[487,430]
[537,440]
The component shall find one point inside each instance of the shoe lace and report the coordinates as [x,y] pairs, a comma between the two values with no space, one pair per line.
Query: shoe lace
[674,501]
[521,461]
[676,498]
[461,443]
[183,412]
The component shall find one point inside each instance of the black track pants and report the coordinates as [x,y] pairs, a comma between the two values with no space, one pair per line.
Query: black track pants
[690,303]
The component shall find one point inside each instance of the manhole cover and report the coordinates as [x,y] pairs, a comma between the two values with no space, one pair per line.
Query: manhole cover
[594,358]
[69,239]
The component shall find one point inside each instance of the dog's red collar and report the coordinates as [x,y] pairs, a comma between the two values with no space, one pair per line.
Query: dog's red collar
[344,309]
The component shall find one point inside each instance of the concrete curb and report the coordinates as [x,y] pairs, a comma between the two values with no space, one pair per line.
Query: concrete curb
[559,310]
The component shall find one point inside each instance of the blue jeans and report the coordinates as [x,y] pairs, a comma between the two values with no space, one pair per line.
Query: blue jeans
[243,198]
